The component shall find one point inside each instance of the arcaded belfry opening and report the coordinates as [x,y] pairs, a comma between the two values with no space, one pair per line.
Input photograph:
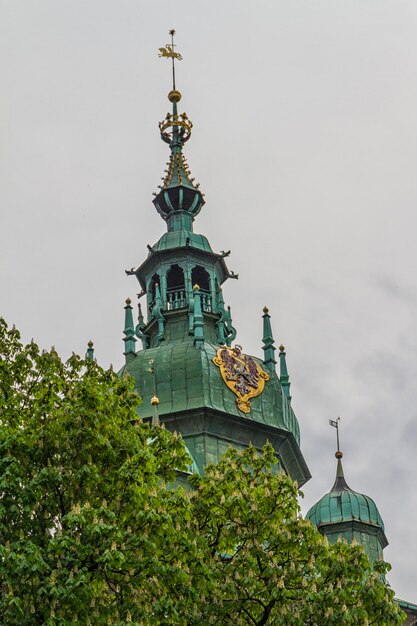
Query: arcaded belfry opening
[155,280]
[200,277]
[175,296]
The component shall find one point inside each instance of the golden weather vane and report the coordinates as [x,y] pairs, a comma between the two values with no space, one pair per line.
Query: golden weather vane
[169,53]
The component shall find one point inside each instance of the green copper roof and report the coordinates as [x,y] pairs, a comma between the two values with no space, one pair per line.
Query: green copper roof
[342,504]
[186,378]
[407,606]
[345,506]
[181,239]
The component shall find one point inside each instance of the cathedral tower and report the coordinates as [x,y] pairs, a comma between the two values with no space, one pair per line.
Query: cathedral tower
[208,389]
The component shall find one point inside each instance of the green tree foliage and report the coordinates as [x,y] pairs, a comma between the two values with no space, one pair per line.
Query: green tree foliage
[93,532]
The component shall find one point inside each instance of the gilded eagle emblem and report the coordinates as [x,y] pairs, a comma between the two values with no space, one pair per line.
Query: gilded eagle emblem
[241,374]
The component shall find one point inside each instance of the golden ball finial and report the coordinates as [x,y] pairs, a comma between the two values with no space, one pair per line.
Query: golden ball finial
[90,344]
[174,95]
[128,300]
[282,348]
[265,309]
[339,454]
[196,287]
[154,400]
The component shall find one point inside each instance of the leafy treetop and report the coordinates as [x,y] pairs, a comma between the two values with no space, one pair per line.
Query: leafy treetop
[93,531]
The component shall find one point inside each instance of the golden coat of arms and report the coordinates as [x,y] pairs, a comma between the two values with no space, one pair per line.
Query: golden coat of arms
[241,374]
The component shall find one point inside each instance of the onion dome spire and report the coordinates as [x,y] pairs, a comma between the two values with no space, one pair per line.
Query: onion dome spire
[129,332]
[348,514]
[340,483]
[268,341]
[179,199]
[283,372]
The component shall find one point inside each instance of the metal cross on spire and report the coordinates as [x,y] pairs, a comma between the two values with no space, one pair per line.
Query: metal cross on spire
[335,424]
[169,53]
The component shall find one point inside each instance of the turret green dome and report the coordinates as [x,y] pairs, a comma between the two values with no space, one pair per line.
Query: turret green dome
[345,506]
[342,504]
[351,515]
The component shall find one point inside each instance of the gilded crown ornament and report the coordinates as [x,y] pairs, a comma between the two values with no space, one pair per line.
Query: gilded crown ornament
[181,121]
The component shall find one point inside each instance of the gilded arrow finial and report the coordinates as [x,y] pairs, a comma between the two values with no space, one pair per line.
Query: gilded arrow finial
[169,53]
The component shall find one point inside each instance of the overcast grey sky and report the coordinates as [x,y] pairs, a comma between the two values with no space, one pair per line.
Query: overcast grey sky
[305,144]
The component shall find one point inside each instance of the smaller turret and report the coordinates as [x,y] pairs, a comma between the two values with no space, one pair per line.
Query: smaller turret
[347,514]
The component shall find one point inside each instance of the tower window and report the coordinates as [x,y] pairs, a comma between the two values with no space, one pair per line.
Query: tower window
[175,296]
[201,277]
[155,280]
